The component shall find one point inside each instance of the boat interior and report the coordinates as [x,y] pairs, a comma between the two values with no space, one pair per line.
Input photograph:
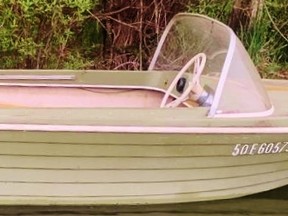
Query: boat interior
[81,89]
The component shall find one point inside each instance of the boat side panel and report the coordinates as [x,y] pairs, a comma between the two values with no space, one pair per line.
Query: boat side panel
[110,168]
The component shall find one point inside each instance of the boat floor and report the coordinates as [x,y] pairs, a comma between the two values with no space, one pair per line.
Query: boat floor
[77,97]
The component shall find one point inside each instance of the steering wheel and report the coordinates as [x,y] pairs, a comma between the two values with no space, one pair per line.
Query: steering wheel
[199,61]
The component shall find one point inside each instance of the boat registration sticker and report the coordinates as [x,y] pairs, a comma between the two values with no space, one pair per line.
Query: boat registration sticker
[260,148]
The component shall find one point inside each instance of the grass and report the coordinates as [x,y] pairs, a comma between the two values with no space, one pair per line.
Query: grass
[266,39]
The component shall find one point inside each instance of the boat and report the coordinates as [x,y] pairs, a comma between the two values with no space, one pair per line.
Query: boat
[200,124]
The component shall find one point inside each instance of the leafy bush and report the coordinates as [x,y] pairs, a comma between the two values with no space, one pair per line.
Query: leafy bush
[42,33]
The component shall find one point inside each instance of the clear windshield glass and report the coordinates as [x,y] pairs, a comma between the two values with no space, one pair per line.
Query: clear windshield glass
[229,72]
[243,93]
[186,36]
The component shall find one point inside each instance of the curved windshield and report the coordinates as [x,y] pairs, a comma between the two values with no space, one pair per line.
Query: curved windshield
[186,36]
[240,91]
[229,72]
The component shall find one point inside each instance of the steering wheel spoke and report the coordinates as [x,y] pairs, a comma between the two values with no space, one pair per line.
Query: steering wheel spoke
[199,61]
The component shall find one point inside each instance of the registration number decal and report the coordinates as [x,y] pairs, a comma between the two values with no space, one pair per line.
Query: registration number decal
[260,148]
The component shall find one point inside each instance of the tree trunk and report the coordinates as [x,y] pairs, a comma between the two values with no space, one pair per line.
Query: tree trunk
[244,13]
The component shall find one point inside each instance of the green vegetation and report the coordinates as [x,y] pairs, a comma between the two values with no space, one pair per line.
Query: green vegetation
[266,38]
[42,33]
[76,34]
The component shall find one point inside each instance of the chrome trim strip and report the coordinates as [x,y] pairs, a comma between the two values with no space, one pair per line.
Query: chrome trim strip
[37,77]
